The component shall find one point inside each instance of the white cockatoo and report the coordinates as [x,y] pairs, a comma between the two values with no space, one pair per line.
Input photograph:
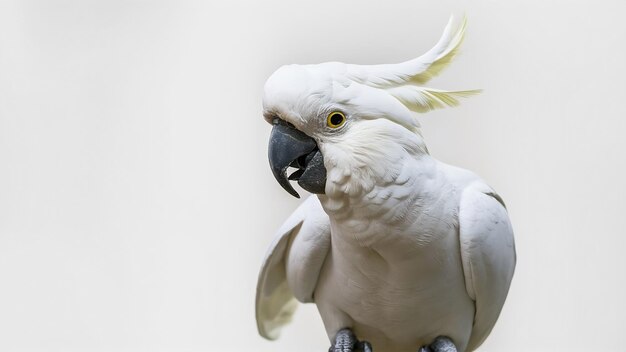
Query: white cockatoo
[399,251]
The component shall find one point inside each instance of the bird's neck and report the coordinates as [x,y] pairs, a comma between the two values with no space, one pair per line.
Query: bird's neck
[379,179]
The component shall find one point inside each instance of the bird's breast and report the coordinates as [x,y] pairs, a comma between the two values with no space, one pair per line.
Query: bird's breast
[400,292]
[395,265]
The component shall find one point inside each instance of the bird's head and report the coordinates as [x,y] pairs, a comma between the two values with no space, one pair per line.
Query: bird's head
[335,121]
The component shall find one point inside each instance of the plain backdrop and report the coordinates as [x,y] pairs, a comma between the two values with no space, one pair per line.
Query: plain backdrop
[136,201]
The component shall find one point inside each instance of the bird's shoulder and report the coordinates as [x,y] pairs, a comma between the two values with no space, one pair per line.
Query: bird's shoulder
[458,177]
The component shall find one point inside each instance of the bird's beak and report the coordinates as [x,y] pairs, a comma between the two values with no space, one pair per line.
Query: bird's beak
[289,147]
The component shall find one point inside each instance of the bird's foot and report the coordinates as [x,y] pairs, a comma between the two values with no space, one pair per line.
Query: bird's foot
[346,341]
[441,344]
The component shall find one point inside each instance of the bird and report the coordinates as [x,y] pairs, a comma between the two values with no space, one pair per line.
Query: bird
[398,250]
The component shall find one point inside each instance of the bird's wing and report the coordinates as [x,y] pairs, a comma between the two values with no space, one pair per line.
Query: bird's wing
[292,266]
[488,255]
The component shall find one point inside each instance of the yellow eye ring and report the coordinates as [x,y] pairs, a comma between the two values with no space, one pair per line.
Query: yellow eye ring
[335,119]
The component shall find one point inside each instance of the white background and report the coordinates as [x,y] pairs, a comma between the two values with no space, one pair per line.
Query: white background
[136,202]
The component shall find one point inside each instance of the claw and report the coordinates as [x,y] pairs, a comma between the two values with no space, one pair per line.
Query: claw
[346,341]
[364,346]
[441,344]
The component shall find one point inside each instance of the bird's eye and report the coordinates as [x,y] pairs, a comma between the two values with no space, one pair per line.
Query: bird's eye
[335,119]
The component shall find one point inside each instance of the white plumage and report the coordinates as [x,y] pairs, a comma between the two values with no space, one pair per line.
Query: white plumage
[401,248]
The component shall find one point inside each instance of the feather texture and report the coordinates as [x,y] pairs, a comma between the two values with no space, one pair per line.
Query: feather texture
[403,81]
[291,267]
[488,254]
[422,99]
[416,71]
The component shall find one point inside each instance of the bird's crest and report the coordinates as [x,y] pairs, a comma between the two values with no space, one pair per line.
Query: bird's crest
[403,80]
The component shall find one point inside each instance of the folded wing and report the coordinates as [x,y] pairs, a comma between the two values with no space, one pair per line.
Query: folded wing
[488,255]
[291,267]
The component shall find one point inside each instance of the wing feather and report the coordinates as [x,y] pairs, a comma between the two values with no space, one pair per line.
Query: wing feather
[488,255]
[291,267]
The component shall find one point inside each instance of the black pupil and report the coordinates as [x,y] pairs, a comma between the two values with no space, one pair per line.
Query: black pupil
[336,119]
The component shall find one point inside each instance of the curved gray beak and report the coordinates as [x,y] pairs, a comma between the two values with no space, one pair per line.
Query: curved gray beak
[289,147]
